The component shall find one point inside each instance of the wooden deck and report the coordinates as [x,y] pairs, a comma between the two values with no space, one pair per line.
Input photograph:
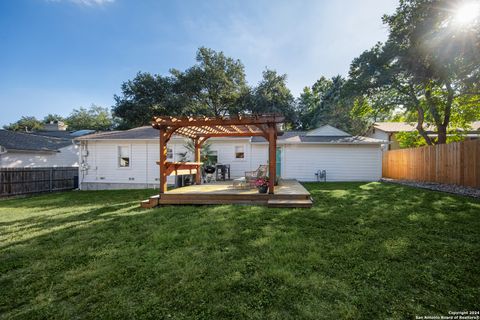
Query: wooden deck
[288,194]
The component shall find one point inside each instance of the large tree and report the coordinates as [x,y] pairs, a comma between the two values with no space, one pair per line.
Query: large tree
[213,86]
[272,95]
[144,97]
[428,65]
[329,101]
[94,118]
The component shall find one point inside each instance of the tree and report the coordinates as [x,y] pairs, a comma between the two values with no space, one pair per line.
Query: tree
[144,97]
[25,124]
[272,95]
[53,118]
[213,86]
[427,65]
[329,101]
[94,118]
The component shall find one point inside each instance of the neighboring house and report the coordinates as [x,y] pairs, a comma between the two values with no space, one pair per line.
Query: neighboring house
[39,149]
[127,159]
[388,130]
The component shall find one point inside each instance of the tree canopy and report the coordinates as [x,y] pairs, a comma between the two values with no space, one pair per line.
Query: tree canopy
[428,65]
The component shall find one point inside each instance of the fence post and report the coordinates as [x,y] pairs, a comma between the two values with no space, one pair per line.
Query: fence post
[51,180]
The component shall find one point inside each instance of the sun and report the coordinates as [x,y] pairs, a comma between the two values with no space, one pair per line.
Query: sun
[467,13]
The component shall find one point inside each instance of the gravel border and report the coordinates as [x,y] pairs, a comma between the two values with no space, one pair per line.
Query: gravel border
[449,188]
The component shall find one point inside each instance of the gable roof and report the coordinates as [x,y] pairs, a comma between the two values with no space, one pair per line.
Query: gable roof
[327,130]
[30,142]
[393,127]
[298,137]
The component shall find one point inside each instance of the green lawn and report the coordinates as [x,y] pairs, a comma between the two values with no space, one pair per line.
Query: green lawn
[365,250]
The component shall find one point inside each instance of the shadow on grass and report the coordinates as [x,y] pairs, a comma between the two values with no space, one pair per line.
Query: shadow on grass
[365,250]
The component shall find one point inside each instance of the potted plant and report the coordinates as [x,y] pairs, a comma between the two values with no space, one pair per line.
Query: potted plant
[262,184]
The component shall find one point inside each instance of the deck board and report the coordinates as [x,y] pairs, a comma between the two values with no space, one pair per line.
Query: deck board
[288,193]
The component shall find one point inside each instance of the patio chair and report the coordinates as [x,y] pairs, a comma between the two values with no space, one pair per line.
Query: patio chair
[251,176]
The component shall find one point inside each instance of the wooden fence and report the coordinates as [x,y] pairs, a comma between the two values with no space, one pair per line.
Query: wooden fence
[17,181]
[453,163]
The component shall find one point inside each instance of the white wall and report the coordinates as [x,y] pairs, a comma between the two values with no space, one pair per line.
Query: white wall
[102,160]
[67,157]
[342,162]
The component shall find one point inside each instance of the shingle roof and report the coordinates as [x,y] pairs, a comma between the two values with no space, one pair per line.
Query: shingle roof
[395,126]
[301,137]
[148,132]
[145,132]
[411,126]
[30,142]
[62,134]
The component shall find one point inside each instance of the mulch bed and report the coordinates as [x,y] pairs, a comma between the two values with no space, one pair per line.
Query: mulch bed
[450,188]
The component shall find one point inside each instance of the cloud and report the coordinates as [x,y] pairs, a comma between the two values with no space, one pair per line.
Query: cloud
[88,3]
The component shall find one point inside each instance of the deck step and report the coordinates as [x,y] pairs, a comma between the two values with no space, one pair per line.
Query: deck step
[151,202]
[282,203]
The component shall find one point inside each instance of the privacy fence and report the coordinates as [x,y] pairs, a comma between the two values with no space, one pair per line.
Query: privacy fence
[453,163]
[18,181]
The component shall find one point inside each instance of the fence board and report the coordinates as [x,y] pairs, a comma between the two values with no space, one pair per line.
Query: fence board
[18,181]
[453,163]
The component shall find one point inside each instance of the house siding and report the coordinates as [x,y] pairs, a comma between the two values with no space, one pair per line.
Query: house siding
[341,162]
[66,157]
[299,161]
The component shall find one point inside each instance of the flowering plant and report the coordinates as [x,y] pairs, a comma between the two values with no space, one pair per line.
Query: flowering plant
[261,182]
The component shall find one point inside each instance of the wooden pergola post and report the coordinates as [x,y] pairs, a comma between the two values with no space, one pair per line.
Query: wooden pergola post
[198,145]
[272,157]
[163,160]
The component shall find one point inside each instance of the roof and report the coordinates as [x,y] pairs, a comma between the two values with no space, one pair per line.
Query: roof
[327,130]
[148,133]
[412,126]
[12,140]
[140,133]
[62,133]
[294,137]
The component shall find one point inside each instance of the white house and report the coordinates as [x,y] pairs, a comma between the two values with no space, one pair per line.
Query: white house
[49,148]
[127,159]
[29,150]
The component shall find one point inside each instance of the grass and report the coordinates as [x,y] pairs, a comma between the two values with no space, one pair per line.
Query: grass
[364,251]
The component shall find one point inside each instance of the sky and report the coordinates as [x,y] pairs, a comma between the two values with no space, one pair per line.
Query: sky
[57,55]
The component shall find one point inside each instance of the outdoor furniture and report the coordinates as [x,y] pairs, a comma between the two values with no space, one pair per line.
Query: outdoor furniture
[241,183]
[252,176]
[223,172]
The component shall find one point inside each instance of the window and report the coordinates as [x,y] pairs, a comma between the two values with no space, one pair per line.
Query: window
[213,156]
[239,152]
[169,153]
[123,156]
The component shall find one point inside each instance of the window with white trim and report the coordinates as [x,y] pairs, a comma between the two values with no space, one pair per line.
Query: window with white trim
[124,156]
[169,154]
[240,152]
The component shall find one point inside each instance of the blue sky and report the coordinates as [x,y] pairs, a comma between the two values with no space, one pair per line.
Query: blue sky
[57,55]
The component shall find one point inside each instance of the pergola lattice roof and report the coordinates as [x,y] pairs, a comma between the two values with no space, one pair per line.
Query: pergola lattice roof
[232,126]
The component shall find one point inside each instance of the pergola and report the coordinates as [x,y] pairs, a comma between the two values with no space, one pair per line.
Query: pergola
[199,129]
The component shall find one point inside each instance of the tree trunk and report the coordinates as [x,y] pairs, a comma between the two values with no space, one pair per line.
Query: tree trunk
[442,134]
[421,131]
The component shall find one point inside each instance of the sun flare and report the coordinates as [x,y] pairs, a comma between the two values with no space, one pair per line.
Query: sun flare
[467,13]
